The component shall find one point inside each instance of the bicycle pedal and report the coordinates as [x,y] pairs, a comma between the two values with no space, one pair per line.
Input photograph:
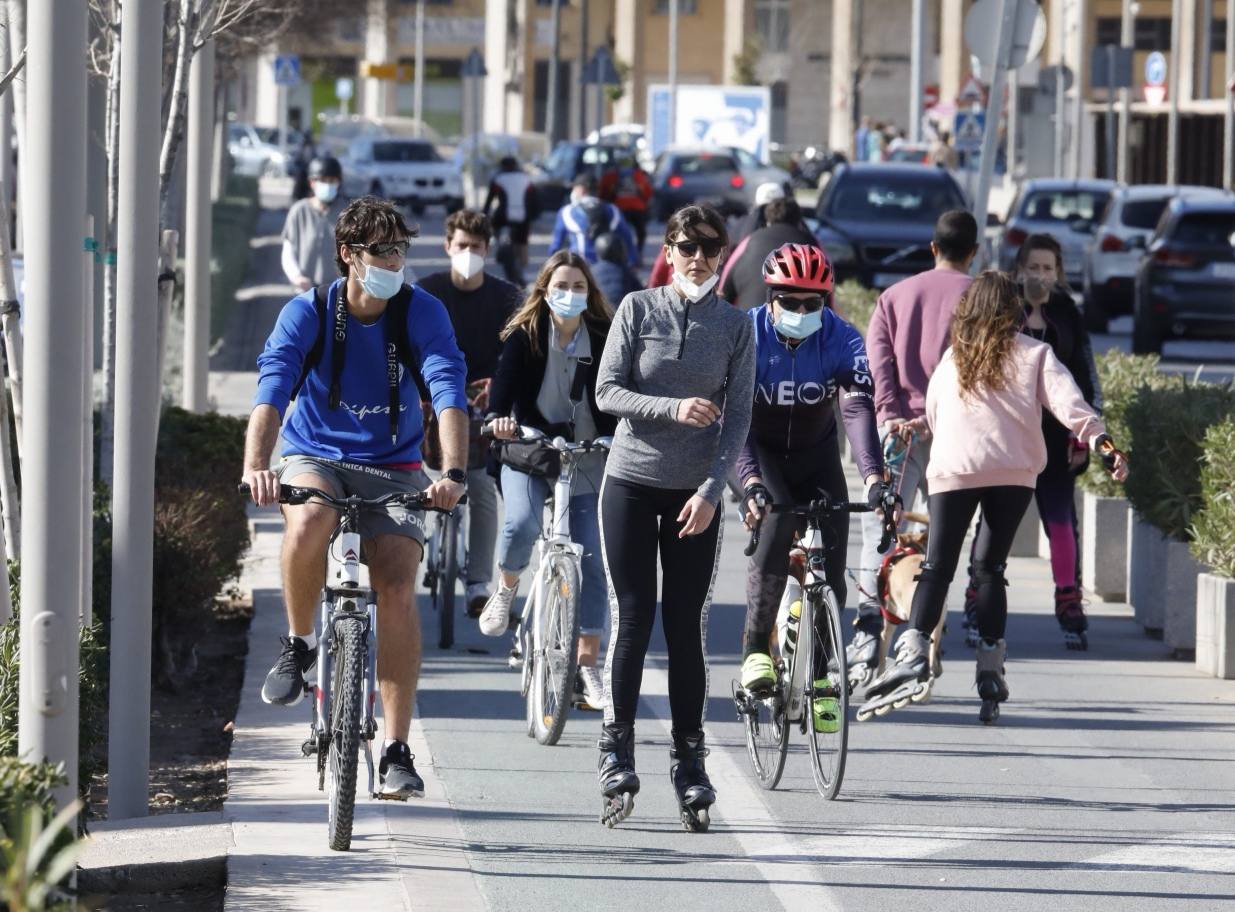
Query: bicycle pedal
[382,796]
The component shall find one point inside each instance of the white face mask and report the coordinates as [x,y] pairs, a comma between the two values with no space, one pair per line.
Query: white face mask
[693,292]
[566,303]
[466,263]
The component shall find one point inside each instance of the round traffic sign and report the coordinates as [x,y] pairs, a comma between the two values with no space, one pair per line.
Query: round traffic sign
[1155,69]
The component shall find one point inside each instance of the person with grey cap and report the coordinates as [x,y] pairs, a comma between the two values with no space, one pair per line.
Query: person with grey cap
[308,234]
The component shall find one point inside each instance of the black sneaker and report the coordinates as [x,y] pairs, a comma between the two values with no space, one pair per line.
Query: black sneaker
[399,779]
[285,684]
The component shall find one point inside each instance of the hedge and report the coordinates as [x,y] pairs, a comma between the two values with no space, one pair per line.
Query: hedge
[1213,534]
[856,303]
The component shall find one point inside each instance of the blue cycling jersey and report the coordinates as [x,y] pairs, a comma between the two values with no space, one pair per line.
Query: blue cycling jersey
[795,388]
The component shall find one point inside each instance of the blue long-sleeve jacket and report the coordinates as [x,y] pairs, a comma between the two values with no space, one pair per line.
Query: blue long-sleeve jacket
[570,230]
[795,389]
[359,430]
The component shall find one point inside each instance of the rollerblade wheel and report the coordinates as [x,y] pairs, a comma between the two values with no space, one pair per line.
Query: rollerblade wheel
[883,710]
[617,808]
[696,821]
[921,695]
[864,715]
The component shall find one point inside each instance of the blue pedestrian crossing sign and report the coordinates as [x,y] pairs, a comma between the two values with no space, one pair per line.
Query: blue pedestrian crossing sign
[968,129]
[287,70]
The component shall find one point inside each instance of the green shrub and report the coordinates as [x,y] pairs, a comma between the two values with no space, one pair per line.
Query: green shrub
[233,222]
[1213,534]
[1167,429]
[856,303]
[1121,377]
[38,850]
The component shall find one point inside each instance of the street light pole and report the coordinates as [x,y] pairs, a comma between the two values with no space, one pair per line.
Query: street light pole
[1228,98]
[418,78]
[197,229]
[1126,39]
[1172,114]
[994,105]
[137,406]
[555,56]
[55,203]
[673,71]
[916,54]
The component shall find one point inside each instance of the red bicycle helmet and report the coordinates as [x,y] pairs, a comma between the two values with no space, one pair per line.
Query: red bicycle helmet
[801,267]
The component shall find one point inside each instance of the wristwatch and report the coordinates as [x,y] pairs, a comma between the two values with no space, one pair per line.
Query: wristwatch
[458,476]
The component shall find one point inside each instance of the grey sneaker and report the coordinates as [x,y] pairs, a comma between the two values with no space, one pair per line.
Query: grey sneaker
[496,617]
[399,779]
[285,683]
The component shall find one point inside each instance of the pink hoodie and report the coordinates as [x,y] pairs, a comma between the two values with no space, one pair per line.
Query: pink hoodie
[994,437]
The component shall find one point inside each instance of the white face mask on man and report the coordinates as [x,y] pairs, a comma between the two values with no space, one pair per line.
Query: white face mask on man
[466,263]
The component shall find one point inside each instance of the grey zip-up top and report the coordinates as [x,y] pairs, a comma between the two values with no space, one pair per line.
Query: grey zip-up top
[662,349]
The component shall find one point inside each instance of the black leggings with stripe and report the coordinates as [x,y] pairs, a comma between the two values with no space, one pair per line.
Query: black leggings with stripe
[637,522]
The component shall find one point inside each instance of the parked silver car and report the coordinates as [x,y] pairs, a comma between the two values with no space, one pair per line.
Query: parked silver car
[409,171]
[1065,209]
[1114,251]
[255,150]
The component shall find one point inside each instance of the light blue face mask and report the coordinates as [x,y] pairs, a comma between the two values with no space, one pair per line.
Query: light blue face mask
[379,283]
[566,303]
[793,325]
[325,191]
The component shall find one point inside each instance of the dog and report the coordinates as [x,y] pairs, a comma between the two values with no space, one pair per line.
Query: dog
[897,580]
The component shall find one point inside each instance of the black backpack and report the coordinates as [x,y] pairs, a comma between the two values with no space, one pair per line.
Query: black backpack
[598,216]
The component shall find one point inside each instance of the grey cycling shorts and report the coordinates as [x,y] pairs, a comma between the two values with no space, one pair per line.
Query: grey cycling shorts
[348,478]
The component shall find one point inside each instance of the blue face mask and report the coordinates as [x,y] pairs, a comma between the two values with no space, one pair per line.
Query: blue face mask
[379,283]
[325,191]
[566,303]
[798,325]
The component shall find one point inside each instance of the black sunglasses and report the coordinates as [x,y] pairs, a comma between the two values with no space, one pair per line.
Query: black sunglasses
[798,305]
[384,249]
[688,249]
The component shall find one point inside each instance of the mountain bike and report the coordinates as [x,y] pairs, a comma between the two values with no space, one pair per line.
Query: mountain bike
[811,691]
[345,691]
[545,650]
[445,559]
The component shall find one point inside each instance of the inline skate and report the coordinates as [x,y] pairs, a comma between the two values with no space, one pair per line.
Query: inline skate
[907,680]
[862,658]
[1070,612]
[992,688]
[690,781]
[619,783]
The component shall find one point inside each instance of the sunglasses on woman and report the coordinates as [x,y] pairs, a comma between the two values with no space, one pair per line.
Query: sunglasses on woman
[801,305]
[384,248]
[688,249]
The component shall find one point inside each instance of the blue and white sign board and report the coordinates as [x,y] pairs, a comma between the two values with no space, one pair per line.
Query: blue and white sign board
[967,130]
[1155,69]
[344,88]
[738,116]
[287,70]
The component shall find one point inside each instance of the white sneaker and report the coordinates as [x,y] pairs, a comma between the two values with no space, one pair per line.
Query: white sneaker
[477,596]
[496,617]
[593,686]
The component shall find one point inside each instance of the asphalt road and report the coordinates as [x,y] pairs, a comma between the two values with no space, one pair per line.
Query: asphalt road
[1106,783]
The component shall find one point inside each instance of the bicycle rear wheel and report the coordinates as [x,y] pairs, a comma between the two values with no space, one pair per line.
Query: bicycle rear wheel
[345,722]
[553,677]
[827,689]
[767,737]
[447,578]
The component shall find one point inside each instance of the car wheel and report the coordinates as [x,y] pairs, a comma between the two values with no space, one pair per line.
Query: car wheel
[1146,338]
[1095,312]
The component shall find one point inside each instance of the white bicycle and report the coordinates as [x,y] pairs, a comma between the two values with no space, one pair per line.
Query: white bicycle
[546,640]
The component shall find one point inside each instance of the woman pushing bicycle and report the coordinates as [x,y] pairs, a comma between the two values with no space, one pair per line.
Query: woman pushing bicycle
[805,358]
[546,379]
[678,371]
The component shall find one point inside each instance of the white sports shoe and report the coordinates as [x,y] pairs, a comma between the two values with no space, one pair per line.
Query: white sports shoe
[496,617]
[593,686]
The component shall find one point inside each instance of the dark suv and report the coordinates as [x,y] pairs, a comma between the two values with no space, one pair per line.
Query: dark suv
[553,178]
[1186,281]
[876,220]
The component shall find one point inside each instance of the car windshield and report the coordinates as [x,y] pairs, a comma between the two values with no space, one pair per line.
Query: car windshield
[893,198]
[1212,229]
[404,152]
[704,163]
[1143,214]
[1064,205]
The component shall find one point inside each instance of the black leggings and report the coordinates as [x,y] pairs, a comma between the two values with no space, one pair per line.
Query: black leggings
[637,521]
[951,513]
[796,478]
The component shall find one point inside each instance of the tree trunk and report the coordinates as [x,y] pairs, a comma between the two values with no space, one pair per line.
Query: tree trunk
[174,130]
[108,407]
[168,247]
[17,43]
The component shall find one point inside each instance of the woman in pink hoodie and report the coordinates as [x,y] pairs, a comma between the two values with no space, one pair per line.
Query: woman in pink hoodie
[984,411]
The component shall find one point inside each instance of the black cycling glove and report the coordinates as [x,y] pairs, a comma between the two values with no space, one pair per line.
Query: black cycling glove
[882,496]
[758,493]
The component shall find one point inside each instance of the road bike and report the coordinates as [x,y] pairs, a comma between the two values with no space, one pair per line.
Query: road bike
[811,691]
[445,559]
[545,649]
[345,691]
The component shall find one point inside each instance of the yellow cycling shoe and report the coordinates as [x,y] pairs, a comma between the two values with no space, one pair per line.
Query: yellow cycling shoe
[758,673]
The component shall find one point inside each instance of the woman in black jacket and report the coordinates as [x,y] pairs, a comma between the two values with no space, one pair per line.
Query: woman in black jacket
[546,379]
[1052,317]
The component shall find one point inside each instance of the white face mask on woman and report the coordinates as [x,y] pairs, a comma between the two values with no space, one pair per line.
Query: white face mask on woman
[694,293]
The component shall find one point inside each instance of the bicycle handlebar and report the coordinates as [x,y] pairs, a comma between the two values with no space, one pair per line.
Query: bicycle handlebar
[561,444]
[815,510]
[295,495]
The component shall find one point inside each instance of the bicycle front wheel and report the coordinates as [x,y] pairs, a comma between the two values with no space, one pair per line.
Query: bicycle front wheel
[767,737]
[553,677]
[826,713]
[345,723]
[447,578]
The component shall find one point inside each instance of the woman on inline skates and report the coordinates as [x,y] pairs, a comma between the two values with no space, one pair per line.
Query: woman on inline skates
[984,412]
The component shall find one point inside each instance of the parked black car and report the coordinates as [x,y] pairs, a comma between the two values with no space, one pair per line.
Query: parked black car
[1186,281]
[553,177]
[876,220]
[686,175]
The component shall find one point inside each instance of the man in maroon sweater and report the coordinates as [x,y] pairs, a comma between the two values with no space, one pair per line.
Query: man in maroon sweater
[907,336]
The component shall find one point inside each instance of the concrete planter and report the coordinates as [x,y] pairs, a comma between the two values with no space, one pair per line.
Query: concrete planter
[1179,621]
[1146,574]
[1104,547]
[1215,625]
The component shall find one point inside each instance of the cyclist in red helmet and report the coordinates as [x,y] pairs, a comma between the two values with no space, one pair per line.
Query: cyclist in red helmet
[805,358]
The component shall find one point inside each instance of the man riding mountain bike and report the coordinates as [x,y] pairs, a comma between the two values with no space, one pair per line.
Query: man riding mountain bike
[805,357]
[350,352]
